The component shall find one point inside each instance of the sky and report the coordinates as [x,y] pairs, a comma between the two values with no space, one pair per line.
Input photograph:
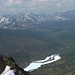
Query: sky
[35,6]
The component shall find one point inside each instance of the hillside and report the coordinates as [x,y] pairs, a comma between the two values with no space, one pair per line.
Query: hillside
[27,46]
[40,38]
[24,45]
[66,66]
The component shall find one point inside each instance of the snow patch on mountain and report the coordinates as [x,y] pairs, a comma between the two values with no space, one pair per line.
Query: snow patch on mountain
[36,64]
[61,18]
[7,71]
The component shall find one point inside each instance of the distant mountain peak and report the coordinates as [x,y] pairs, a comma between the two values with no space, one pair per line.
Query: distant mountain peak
[32,21]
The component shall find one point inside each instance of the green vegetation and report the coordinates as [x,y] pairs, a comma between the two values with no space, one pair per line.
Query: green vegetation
[26,45]
[30,45]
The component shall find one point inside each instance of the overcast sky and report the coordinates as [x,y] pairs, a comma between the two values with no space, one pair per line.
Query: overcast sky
[35,6]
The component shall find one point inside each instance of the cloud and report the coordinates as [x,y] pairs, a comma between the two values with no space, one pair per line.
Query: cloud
[37,5]
[59,5]
[12,9]
[11,2]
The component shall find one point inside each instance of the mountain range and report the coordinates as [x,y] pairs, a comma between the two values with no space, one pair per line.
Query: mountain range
[32,37]
[33,21]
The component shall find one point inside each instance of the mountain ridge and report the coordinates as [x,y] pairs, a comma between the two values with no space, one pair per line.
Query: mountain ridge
[33,21]
[9,61]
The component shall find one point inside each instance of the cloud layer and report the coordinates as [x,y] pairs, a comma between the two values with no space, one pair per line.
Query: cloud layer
[37,6]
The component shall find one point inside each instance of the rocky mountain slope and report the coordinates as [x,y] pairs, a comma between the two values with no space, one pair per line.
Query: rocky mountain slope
[9,61]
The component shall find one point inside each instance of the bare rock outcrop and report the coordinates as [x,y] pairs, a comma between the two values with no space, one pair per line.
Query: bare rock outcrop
[9,61]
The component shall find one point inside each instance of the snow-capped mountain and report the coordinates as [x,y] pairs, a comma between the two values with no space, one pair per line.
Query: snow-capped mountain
[17,21]
[22,21]
[69,15]
[39,17]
